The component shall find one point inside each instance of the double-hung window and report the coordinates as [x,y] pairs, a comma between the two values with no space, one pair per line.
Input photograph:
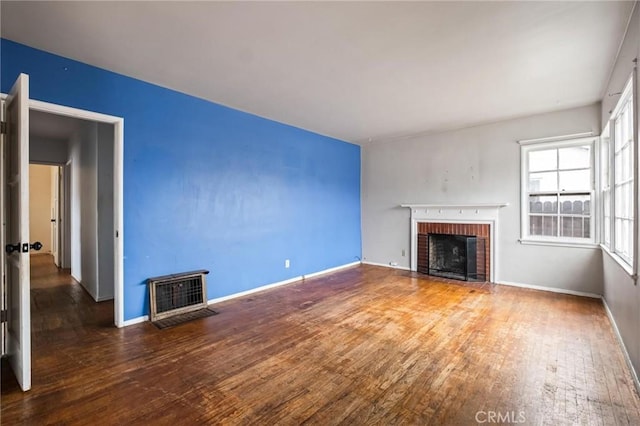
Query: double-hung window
[618,157]
[605,185]
[558,191]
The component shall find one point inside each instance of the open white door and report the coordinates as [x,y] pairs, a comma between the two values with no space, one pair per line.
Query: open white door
[55,214]
[16,219]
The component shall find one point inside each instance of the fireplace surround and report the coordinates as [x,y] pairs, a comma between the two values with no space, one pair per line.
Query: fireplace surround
[451,216]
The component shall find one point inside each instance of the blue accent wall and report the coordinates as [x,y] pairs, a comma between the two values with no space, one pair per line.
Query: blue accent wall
[206,186]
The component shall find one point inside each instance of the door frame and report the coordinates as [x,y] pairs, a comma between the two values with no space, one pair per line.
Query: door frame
[118,190]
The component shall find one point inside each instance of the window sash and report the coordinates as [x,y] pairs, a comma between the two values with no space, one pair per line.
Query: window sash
[619,183]
[550,222]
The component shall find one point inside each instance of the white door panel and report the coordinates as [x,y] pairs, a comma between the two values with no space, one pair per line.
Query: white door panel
[17,231]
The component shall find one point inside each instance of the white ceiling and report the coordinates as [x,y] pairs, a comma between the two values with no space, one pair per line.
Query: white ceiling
[352,70]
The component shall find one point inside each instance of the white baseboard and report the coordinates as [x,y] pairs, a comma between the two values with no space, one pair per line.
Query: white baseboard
[253,290]
[280,283]
[386,265]
[102,299]
[137,320]
[551,289]
[627,358]
[330,270]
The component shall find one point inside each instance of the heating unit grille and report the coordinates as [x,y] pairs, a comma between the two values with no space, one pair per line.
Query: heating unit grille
[177,293]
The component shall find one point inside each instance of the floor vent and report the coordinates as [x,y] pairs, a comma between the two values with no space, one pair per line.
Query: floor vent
[177,294]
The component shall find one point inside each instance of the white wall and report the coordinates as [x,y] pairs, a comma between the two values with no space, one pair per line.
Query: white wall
[620,293]
[40,206]
[481,165]
[84,186]
[91,206]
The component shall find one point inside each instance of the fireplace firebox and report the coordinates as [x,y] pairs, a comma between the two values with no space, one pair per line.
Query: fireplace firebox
[460,257]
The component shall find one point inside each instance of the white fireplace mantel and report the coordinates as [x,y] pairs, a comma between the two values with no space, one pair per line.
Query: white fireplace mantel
[457,213]
[454,211]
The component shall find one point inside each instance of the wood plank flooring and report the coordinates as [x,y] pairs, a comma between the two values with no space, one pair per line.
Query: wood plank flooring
[367,345]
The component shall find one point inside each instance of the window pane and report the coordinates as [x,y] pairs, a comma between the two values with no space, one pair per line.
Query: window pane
[575,157]
[543,160]
[574,227]
[543,204]
[617,168]
[617,136]
[627,205]
[566,226]
[625,169]
[629,196]
[575,204]
[625,134]
[543,181]
[550,225]
[629,159]
[578,227]
[604,157]
[586,233]
[606,217]
[575,180]
[535,225]
[543,225]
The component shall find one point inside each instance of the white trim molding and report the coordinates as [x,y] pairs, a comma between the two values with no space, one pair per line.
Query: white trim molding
[281,283]
[330,270]
[386,265]
[556,138]
[627,358]
[134,321]
[484,214]
[551,289]
[456,206]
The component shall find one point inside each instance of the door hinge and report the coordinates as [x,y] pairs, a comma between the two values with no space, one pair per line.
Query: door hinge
[4,128]
[3,316]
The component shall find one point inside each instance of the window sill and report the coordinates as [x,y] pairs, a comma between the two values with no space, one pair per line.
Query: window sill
[589,245]
[622,263]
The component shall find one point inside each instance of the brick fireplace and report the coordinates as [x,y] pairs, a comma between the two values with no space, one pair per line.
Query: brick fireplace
[479,220]
[480,231]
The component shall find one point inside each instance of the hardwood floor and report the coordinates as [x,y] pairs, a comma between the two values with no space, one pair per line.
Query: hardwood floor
[367,345]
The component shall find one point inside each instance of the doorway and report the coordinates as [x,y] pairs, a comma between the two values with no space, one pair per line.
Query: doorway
[85,148]
[44,199]
[88,148]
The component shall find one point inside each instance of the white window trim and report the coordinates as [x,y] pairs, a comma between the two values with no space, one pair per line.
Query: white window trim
[527,146]
[601,212]
[631,268]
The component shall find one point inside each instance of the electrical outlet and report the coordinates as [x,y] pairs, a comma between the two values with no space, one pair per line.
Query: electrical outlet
[403,253]
[287,263]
